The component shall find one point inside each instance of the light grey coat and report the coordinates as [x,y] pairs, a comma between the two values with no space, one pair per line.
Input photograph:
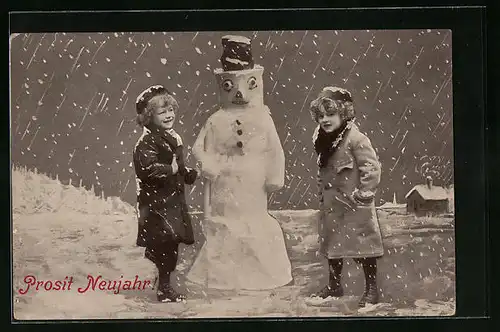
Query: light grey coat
[347,228]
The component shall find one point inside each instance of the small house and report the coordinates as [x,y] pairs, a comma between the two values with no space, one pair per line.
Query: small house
[425,199]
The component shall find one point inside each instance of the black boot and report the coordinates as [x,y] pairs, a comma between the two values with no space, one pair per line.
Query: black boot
[165,292]
[334,287]
[370,295]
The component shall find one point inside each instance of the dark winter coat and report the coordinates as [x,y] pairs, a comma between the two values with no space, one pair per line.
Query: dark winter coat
[161,203]
[348,226]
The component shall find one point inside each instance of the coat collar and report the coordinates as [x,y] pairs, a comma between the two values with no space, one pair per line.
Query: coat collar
[352,127]
[342,154]
[164,133]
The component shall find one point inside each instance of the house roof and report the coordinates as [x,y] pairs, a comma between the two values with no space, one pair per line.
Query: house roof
[437,193]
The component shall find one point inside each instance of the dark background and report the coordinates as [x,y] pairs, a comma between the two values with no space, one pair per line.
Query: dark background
[73,96]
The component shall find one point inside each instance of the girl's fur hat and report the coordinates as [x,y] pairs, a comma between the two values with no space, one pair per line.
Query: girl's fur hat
[145,96]
[332,100]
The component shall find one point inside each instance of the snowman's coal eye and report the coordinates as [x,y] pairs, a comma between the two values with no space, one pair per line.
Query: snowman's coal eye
[227,85]
[252,83]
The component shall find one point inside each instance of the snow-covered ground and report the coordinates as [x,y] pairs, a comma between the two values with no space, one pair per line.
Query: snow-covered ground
[52,240]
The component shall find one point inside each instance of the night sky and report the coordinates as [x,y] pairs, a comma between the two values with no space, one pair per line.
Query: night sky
[73,96]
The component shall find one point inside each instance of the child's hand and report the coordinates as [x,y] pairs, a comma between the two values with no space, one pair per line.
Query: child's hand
[174,165]
[191,176]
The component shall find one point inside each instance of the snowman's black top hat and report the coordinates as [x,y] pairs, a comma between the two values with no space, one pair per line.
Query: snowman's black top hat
[237,53]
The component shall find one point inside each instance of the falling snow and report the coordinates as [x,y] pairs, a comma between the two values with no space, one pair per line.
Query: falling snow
[400,81]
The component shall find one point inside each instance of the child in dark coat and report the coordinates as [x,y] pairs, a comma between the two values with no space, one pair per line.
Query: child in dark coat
[164,221]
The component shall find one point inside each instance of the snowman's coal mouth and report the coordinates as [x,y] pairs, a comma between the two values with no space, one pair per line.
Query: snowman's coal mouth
[240,102]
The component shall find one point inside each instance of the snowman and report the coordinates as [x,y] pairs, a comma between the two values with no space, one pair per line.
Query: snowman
[242,161]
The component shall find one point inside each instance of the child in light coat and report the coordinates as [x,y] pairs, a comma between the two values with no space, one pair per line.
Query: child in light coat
[348,177]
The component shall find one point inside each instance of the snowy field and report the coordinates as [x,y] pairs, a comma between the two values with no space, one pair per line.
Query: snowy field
[61,231]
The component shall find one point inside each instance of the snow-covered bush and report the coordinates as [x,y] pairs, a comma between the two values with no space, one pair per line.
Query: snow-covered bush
[33,192]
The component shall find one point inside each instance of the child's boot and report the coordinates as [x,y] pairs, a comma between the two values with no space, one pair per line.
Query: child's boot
[165,292]
[334,287]
[370,295]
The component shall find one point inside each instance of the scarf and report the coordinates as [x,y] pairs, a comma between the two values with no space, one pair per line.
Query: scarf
[326,144]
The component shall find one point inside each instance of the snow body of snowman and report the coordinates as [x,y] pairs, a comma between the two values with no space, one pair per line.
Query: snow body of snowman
[242,161]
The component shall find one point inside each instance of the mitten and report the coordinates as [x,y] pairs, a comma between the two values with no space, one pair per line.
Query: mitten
[183,171]
[190,176]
